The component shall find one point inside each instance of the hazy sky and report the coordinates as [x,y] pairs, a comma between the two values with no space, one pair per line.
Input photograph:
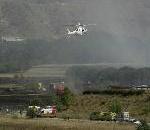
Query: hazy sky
[128,22]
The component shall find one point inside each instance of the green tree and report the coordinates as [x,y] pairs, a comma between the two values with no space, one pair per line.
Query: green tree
[67,98]
[36,102]
[31,112]
[55,100]
[115,106]
[146,109]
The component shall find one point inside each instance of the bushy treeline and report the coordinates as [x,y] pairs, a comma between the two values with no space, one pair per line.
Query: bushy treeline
[114,92]
[98,77]
[20,56]
[8,67]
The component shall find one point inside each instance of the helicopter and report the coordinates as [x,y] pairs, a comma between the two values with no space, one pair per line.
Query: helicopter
[80,29]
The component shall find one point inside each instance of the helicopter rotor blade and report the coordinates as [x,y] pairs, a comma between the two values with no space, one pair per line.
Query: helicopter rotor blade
[70,25]
[90,24]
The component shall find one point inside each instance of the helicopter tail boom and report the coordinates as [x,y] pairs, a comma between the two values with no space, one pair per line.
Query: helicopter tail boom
[68,31]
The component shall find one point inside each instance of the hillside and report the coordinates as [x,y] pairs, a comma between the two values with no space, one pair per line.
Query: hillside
[37,19]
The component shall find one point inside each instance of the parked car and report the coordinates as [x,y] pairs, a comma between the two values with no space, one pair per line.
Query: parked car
[48,111]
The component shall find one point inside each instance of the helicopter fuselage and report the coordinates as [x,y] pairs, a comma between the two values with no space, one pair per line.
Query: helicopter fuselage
[80,30]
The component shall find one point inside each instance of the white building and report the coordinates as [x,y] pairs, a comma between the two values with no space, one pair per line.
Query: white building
[12,39]
[142,87]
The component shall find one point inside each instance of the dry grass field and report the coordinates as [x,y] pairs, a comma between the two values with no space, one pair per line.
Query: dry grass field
[60,124]
[46,71]
[85,104]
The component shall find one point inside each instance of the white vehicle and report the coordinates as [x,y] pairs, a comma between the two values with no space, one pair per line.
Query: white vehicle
[137,122]
[48,110]
[80,29]
[126,116]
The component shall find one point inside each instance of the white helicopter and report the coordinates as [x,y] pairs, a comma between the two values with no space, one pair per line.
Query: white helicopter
[80,29]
